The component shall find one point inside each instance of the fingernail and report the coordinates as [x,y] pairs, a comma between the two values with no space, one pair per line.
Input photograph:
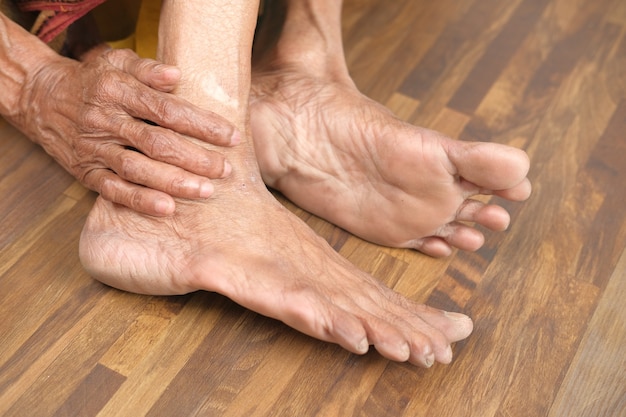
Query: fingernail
[206,189]
[235,139]
[228,168]
[164,206]
[363,346]
[161,68]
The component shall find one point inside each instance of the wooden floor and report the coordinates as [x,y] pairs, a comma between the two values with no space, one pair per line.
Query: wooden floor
[547,296]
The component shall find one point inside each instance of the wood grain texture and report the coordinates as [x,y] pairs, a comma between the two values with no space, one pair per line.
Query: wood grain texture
[547,295]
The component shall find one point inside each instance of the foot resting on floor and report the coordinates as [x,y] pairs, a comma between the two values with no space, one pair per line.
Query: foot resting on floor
[245,245]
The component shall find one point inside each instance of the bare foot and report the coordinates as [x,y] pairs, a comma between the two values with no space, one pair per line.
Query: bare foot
[242,243]
[340,155]
[246,246]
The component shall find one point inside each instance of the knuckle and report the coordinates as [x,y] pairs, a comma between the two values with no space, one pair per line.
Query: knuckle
[135,135]
[178,185]
[128,167]
[87,177]
[211,166]
[92,117]
[144,65]
[158,146]
[83,151]
[112,55]
[164,109]
[116,56]
[105,87]
[105,185]
[136,200]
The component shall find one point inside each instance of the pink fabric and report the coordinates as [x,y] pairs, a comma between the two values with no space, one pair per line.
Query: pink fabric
[57,14]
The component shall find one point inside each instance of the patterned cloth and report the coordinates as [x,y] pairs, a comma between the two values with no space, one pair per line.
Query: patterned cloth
[56,15]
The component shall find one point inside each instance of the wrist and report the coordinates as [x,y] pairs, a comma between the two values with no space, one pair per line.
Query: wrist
[22,56]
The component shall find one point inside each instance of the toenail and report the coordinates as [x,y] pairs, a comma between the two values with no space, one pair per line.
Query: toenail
[456,316]
[405,352]
[363,346]
[164,206]
[429,360]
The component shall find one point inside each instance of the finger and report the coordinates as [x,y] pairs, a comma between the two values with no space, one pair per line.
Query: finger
[144,200]
[137,168]
[152,73]
[174,113]
[165,109]
[166,146]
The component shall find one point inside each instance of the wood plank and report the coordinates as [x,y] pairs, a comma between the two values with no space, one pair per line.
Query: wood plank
[544,75]
[92,394]
[596,381]
[52,378]
[151,377]
[40,321]
[516,99]
[422,20]
[138,339]
[469,95]
[214,380]
[272,376]
[608,231]
[471,20]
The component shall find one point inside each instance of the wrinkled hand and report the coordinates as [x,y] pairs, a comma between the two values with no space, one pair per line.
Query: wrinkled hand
[90,117]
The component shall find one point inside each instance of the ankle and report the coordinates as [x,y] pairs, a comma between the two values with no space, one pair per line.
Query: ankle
[309,40]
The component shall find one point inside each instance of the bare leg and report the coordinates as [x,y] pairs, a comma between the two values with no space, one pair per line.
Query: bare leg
[243,243]
[344,157]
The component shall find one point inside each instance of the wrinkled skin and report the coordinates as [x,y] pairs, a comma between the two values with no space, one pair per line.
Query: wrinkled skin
[90,116]
[348,159]
[243,243]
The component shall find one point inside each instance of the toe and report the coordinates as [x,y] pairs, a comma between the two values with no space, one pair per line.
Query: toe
[520,192]
[491,216]
[461,236]
[347,331]
[388,340]
[430,346]
[422,352]
[464,237]
[449,236]
[432,246]
[454,326]
[490,166]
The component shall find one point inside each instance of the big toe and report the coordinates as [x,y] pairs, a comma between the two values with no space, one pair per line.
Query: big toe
[490,166]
